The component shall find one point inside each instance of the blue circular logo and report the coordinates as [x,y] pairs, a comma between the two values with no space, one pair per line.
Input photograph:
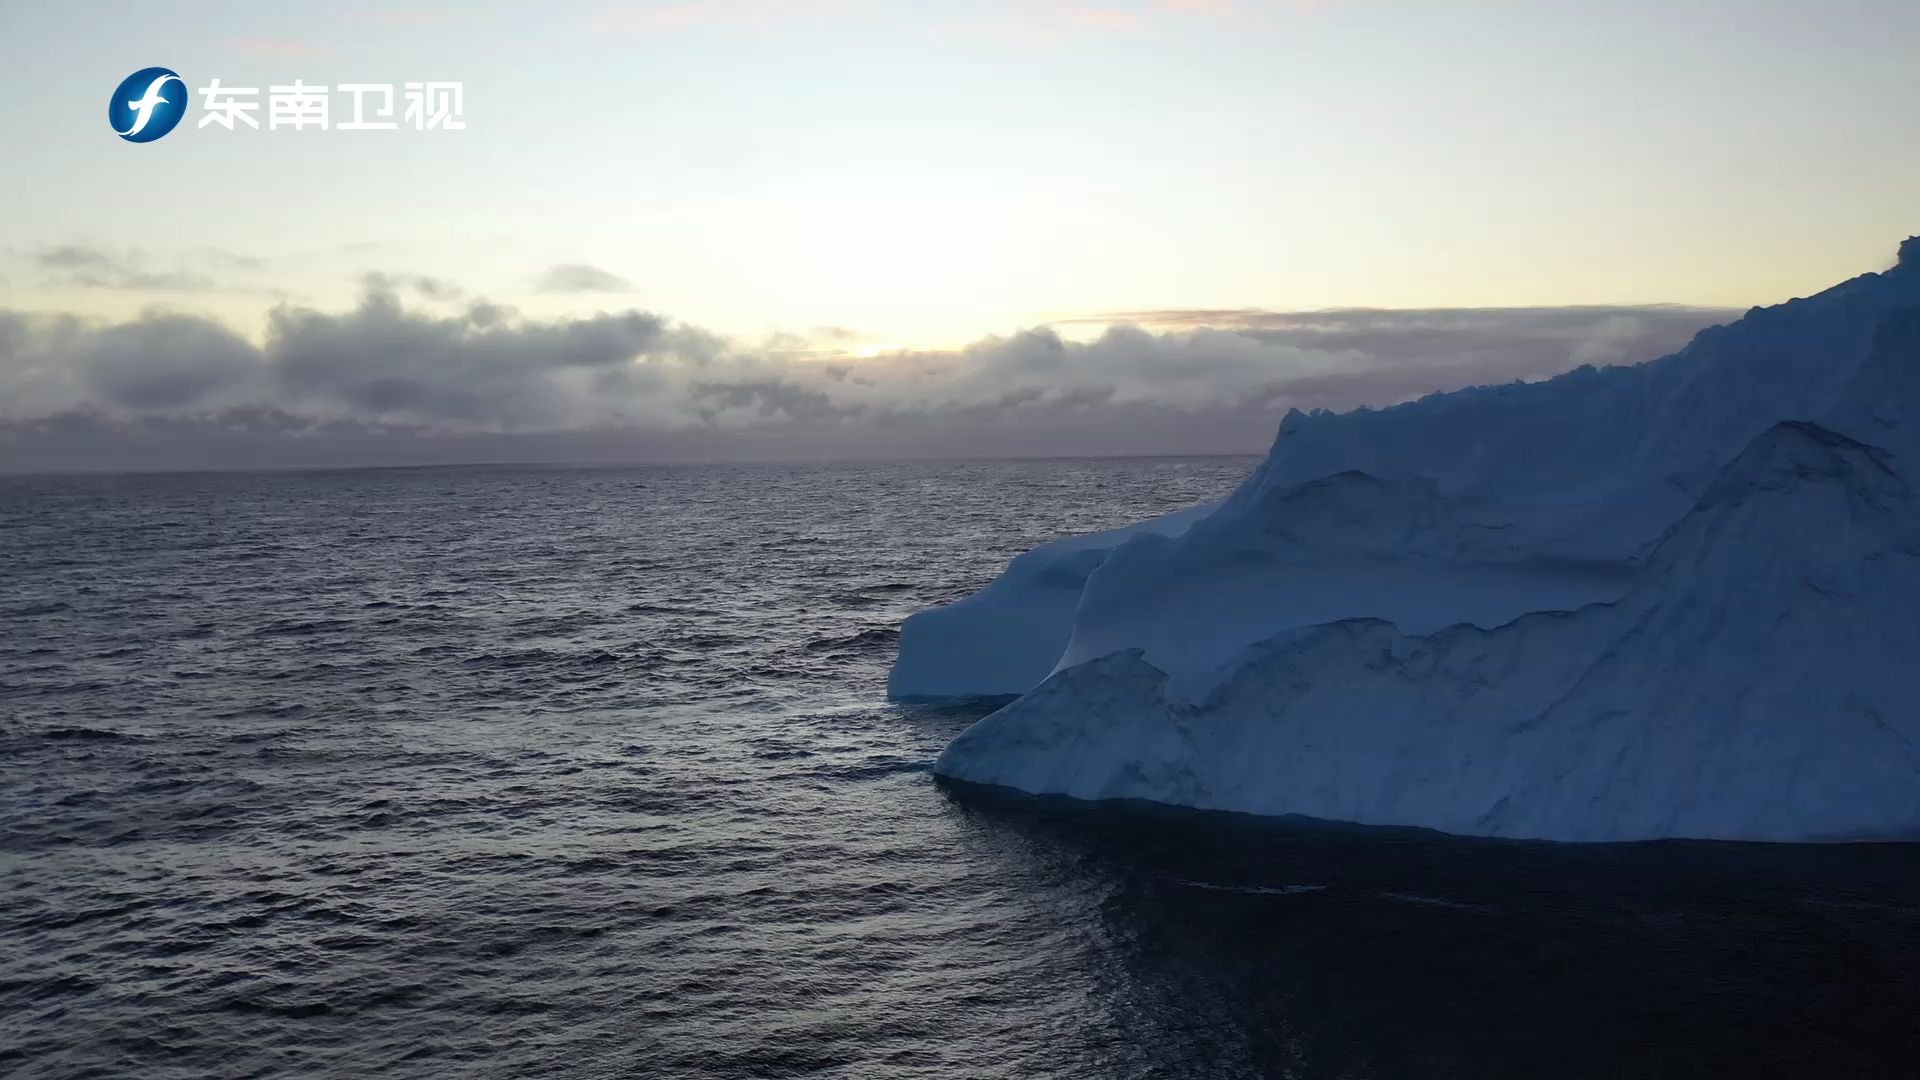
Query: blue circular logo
[147,104]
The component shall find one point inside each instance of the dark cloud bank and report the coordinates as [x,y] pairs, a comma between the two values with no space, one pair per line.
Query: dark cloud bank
[417,374]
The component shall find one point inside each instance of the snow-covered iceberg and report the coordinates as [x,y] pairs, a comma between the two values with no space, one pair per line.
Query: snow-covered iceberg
[1621,603]
[1002,640]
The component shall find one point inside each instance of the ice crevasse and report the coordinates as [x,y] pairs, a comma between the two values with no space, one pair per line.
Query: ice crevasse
[1677,598]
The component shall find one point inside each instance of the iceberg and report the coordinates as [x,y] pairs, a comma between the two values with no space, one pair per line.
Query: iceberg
[1004,639]
[1673,599]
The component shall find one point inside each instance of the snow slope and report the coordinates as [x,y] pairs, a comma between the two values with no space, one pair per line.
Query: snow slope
[1336,598]
[1757,682]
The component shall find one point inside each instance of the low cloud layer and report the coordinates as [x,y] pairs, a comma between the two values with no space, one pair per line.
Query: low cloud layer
[416,371]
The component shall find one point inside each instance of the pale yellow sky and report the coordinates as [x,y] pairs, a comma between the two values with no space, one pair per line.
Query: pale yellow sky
[925,174]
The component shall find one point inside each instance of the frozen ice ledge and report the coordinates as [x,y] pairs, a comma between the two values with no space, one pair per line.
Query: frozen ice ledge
[1672,599]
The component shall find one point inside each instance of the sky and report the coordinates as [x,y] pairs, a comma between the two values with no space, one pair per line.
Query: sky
[745,228]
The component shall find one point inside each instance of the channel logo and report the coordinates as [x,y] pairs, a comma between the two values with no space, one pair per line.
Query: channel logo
[147,104]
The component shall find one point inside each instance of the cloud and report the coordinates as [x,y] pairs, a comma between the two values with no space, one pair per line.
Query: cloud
[581,278]
[158,363]
[417,367]
[1423,349]
[432,288]
[201,270]
[79,266]
[71,257]
[230,260]
[480,367]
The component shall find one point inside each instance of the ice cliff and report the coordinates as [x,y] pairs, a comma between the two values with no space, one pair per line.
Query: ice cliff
[1680,598]
[1004,639]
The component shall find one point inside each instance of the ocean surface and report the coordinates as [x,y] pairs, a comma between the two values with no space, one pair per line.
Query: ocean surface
[529,771]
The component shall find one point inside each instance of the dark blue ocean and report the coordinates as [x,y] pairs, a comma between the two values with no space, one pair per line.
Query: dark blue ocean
[521,771]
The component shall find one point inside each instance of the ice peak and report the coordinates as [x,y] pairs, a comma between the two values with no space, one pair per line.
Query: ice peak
[1795,452]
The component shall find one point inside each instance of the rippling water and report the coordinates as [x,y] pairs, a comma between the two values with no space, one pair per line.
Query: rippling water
[521,771]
